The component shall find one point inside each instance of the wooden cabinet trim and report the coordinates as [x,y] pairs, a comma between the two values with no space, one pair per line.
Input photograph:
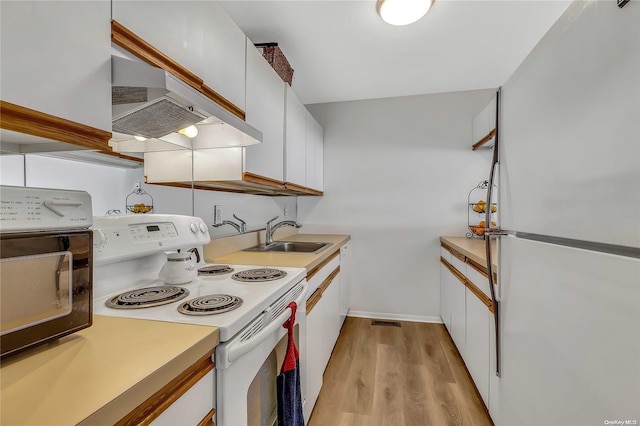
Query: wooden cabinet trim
[301,190]
[29,121]
[208,419]
[470,285]
[317,295]
[313,300]
[155,405]
[484,140]
[318,267]
[446,247]
[132,43]
[223,102]
[459,255]
[262,180]
[479,268]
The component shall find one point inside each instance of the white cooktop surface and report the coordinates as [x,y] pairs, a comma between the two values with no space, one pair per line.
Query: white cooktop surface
[256,297]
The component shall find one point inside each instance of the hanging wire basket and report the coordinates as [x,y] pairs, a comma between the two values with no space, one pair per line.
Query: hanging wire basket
[139,201]
[476,212]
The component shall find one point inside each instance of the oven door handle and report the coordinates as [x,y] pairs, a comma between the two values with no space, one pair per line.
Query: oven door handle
[236,350]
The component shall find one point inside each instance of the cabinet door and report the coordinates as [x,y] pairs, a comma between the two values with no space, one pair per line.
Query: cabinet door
[331,297]
[315,152]
[295,167]
[265,112]
[192,407]
[457,291]
[445,296]
[55,62]
[485,121]
[315,355]
[199,35]
[476,352]
[345,284]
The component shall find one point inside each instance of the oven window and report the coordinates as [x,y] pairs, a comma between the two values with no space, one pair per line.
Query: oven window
[262,408]
[34,289]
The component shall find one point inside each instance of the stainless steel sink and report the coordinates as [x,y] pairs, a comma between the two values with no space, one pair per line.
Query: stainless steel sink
[291,247]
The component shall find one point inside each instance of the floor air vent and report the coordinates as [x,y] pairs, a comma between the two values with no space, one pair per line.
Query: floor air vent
[386,323]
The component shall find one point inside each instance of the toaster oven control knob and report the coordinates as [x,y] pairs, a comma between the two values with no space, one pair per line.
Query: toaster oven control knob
[203,228]
[99,238]
[194,227]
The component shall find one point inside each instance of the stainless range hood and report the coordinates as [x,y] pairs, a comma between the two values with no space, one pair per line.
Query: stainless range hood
[151,103]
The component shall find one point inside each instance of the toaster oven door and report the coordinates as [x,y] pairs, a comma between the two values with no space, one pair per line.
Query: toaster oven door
[45,287]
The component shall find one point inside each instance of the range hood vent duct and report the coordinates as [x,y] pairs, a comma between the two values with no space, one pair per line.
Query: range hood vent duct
[169,104]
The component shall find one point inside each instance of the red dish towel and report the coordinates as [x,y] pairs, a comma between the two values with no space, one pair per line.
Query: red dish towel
[289,394]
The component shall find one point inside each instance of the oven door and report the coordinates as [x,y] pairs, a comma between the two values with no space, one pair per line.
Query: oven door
[247,365]
[45,287]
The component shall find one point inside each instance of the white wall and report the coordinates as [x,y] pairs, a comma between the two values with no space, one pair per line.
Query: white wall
[109,187]
[397,175]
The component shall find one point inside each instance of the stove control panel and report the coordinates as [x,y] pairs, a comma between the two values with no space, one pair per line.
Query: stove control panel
[152,231]
[125,237]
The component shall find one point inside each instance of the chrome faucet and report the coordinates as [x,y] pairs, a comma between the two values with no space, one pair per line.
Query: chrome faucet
[241,227]
[272,228]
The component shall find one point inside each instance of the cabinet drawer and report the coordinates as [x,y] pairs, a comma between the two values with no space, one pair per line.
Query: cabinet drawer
[317,278]
[481,281]
[458,262]
[445,254]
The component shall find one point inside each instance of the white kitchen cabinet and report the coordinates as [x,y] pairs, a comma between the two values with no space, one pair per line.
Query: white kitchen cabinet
[265,112]
[199,35]
[193,406]
[295,150]
[445,296]
[457,304]
[345,282]
[56,63]
[476,357]
[315,154]
[323,327]
[484,125]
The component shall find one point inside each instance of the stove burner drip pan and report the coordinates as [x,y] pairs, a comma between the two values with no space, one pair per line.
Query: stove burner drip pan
[147,297]
[215,270]
[259,275]
[210,305]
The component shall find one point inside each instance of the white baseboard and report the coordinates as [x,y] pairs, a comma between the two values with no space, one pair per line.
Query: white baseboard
[399,317]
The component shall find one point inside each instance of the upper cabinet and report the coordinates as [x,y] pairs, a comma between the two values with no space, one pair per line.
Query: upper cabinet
[265,112]
[295,151]
[199,35]
[303,148]
[315,153]
[57,63]
[484,126]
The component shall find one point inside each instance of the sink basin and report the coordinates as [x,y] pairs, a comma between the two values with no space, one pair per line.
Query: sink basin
[291,247]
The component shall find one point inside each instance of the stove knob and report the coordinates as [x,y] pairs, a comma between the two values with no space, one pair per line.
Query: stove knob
[203,228]
[194,227]
[99,238]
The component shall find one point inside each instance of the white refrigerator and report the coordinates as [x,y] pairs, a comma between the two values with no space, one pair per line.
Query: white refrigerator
[569,196]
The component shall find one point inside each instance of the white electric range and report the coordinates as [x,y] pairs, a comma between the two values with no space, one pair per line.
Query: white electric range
[129,251]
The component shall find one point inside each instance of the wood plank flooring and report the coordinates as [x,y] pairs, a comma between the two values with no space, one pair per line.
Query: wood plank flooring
[397,376]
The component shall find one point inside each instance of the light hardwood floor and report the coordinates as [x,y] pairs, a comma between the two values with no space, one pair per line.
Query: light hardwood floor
[397,376]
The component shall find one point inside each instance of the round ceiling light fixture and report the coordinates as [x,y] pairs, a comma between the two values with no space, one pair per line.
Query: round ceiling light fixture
[402,12]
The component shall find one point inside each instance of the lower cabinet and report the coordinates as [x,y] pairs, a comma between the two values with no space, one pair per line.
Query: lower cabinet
[323,329]
[467,313]
[189,399]
[476,355]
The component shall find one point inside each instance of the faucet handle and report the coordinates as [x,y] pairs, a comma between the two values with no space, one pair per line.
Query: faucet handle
[269,221]
[239,220]
[243,224]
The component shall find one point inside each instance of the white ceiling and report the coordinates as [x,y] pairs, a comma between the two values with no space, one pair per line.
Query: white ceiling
[341,50]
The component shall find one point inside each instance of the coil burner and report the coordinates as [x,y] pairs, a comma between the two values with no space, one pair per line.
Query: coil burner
[259,275]
[213,270]
[210,305]
[147,297]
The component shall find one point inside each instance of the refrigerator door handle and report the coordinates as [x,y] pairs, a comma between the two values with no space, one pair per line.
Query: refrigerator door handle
[489,232]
